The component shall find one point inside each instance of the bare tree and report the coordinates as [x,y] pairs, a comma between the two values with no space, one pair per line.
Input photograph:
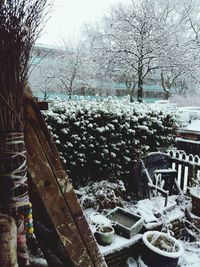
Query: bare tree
[192,12]
[42,71]
[64,69]
[173,69]
[71,67]
[178,59]
[133,41]
[126,40]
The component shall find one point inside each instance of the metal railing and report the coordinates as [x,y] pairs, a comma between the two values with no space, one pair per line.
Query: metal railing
[187,167]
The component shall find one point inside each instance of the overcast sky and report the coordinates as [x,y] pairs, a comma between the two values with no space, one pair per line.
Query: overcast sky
[67,17]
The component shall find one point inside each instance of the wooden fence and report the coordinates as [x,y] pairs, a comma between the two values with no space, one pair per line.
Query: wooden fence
[187,167]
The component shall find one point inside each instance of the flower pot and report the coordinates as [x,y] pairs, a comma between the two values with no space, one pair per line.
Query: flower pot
[160,249]
[195,195]
[104,235]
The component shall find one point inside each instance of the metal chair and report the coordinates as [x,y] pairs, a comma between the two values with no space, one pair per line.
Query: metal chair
[158,165]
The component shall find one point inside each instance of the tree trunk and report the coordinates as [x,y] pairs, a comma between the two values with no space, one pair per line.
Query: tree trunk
[140,85]
[132,92]
[8,241]
[165,87]
[167,94]
[140,79]
[131,98]
[70,93]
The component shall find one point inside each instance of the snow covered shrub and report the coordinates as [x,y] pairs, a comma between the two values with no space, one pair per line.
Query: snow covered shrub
[102,195]
[103,139]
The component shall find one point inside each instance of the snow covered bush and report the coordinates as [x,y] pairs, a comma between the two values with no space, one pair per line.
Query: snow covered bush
[103,139]
[102,195]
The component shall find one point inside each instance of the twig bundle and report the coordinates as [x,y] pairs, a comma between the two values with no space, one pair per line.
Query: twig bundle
[20,25]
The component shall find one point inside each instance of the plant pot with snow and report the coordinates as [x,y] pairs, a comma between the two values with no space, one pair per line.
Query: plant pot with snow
[104,235]
[195,195]
[160,249]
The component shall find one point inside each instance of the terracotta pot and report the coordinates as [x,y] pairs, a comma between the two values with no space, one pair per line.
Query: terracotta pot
[154,254]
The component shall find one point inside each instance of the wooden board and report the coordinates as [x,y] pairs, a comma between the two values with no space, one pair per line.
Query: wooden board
[8,241]
[63,208]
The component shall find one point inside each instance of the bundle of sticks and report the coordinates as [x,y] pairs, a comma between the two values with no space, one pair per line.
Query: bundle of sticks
[21,22]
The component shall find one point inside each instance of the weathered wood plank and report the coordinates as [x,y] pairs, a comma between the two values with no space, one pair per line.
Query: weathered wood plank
[8,242]
[80,243]
[52,198]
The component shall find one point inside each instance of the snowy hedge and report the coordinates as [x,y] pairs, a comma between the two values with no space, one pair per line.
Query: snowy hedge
[103,139]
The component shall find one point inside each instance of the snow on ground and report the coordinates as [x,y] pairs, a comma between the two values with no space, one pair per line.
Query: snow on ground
[189,259]
[119,243]
[193,126]
[191,256]
[38,262]
[154,211]
[164,215]
[187,114]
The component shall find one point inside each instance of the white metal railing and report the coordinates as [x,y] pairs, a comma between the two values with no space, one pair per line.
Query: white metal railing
[187,167]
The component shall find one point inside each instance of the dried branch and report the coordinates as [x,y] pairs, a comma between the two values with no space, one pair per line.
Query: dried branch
[20,25]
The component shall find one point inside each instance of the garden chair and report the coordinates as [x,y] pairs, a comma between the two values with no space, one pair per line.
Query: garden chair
[157,176]
[151,189]
[158,165]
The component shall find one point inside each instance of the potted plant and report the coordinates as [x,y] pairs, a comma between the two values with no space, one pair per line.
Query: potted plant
[102,228]
[104,235]
[160,249]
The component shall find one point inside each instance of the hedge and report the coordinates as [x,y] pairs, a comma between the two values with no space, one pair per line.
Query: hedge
[103,139]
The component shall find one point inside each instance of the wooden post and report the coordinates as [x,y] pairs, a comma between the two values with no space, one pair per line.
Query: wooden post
[8,242]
